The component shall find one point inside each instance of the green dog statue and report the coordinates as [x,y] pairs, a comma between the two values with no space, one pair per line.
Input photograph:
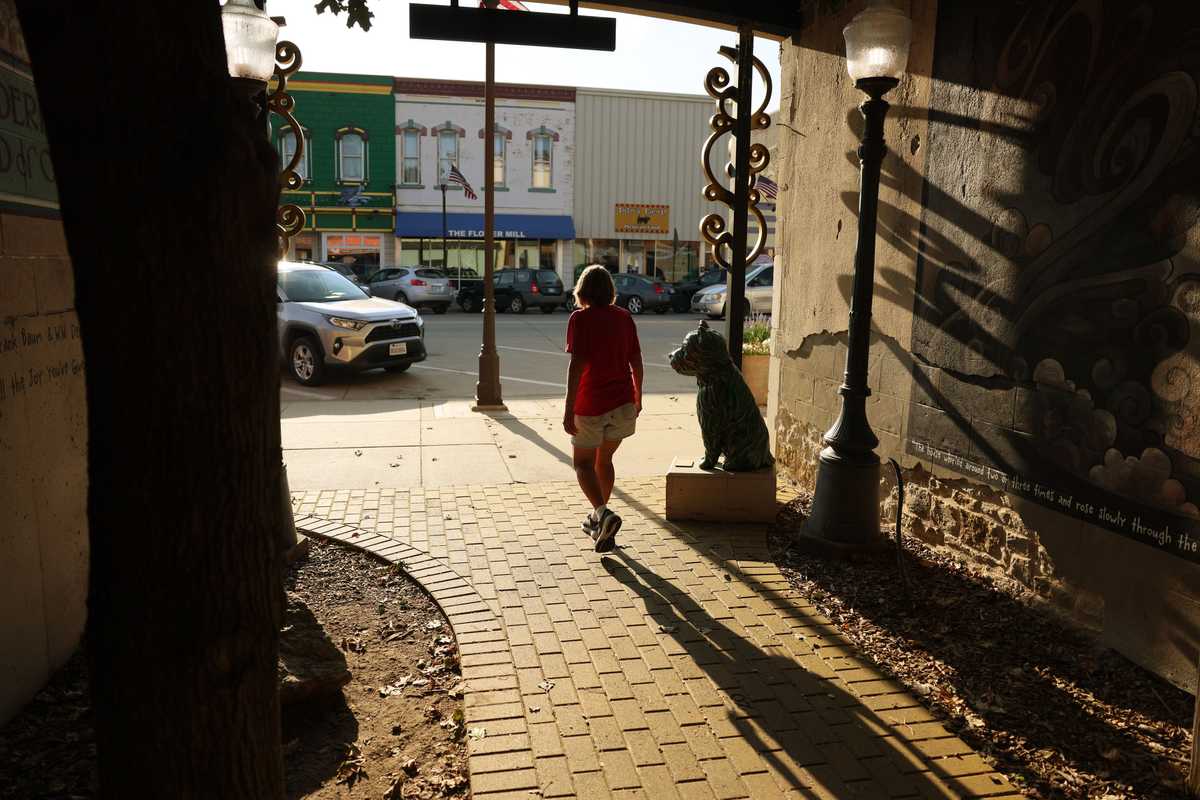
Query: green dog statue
[730,422]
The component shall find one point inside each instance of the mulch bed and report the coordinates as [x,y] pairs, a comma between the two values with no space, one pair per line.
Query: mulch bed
[1057,714]
[395,731]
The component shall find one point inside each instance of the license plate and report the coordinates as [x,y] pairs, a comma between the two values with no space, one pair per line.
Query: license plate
[553,291]
[440,289]
[398,349]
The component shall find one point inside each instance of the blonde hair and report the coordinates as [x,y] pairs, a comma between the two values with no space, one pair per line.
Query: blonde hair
[595,287]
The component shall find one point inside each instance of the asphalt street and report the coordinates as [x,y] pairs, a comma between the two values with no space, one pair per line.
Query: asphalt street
[532,361]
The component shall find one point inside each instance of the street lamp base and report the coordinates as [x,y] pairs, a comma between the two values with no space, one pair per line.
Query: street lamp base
[487,390]
[845,509]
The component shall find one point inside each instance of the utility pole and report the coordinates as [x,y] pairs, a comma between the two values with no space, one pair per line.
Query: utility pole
[445,234]
[487,390]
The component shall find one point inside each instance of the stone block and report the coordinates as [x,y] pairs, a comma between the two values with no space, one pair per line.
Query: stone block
[719,496]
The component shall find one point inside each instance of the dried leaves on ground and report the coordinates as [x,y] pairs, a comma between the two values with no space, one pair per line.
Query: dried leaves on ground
[387,735]
[1053,711]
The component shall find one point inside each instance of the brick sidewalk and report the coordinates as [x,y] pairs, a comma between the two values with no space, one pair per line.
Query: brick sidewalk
[680,666]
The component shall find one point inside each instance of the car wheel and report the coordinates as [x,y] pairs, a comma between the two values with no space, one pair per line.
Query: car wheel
[441,308]
[634,305]
[517,304]
[547,309]
[398,367]
[401,297]
[469,305]
[305,362]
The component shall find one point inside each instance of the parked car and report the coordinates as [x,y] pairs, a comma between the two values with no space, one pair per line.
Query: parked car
[460,276]
[681,297]
[325,322]
[417,286]
[516,290]
[759,281]
[637,293]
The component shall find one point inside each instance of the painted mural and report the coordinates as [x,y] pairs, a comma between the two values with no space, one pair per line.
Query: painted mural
[1057,320]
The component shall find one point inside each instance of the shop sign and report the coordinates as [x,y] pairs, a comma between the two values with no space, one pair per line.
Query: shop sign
[26,172]
[642,218]
[464,233]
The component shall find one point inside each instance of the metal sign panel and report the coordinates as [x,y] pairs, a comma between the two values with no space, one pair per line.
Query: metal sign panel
[465,24]
[26,173]
[642,218]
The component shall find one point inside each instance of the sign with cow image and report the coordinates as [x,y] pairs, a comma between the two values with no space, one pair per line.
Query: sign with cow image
[642,218]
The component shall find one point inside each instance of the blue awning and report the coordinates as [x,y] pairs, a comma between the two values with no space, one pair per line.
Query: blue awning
[470,226]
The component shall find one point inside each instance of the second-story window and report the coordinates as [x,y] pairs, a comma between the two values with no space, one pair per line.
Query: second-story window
[499,158]
[447,152]
[287,151]
[543,160]
[352,155]
[410,152]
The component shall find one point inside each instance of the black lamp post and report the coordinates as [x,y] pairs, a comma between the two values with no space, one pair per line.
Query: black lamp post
[846,502]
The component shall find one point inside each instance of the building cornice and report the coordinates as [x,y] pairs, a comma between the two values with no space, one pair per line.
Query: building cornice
[508,91]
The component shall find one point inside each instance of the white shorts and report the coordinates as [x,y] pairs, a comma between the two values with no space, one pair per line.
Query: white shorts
[613,426]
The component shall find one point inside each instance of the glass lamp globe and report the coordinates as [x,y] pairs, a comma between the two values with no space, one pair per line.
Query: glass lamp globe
[877,41]
[250,37]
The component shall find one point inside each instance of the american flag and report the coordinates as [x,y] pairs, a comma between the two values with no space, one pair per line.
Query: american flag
[454,176]
[511,5]
[767,187]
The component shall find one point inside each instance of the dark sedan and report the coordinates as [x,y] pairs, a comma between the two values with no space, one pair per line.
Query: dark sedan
[681,298]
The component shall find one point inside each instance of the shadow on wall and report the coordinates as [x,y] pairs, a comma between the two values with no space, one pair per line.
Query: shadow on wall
[1056,300]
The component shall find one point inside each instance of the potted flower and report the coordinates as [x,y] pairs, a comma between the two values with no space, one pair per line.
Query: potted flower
[756,356]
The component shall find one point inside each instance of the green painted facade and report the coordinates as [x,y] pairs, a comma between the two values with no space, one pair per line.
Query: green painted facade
[329,103]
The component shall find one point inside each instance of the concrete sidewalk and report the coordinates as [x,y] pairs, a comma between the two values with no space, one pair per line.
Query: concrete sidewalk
[681,666]
[400,443]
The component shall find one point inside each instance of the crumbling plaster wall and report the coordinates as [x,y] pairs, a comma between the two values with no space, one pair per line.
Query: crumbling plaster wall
[1140,599]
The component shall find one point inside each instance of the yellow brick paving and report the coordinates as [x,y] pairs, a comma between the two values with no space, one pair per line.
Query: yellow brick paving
[681,666]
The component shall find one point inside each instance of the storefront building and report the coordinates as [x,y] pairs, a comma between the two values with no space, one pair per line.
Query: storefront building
[639,204]
[349,166]
[439,124]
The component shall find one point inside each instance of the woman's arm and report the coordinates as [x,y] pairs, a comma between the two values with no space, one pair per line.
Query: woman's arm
[636,367]
[573,374]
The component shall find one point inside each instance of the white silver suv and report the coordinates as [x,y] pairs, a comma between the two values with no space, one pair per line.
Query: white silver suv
[326,321]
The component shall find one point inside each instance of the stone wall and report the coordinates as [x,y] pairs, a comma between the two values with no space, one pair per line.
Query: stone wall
[43,408]
[1036,328]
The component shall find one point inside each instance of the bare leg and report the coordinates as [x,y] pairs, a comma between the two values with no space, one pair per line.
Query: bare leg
[605,471]
[585,472]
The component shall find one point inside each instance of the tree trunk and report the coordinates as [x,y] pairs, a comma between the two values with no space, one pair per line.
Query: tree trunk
[168,191]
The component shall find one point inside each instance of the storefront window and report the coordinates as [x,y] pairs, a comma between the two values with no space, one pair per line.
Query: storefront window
[633,256]
[527,253]
[604,251]
[360,251]
[547,252]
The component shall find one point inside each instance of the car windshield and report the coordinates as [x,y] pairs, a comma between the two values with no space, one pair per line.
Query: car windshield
[318,286]
[547,276]
[430,273]
[714,276]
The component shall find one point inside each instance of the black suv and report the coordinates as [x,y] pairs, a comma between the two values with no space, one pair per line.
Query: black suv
[681,298]
[516,290]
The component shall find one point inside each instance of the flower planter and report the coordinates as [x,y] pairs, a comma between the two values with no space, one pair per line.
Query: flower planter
[756,369]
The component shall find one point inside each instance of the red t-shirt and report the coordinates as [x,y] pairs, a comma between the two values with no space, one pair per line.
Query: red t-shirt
[606,340]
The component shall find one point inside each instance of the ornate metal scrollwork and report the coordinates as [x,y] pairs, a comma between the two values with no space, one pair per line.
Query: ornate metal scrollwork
[289,218]
[713,227]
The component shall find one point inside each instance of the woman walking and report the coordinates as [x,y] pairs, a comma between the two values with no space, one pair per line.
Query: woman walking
[604,395]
